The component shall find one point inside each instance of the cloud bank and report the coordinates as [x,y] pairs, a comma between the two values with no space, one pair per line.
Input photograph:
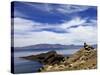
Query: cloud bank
[53,24]
[29,32]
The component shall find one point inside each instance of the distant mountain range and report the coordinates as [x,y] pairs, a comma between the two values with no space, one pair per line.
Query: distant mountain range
[49,46]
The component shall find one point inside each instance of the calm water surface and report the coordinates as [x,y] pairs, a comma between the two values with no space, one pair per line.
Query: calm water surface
[27,66]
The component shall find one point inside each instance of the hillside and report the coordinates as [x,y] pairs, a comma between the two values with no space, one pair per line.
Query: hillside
[47,47]
[85,58]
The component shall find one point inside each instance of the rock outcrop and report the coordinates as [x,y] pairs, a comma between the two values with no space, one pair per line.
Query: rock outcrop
[49,58]
[87,47]
[85,58]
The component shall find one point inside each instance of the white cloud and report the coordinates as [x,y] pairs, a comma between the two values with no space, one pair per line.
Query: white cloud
[62,8]
[84,34]
[71,8]
[73,22]
[39,6]
[75,36]
[25,26]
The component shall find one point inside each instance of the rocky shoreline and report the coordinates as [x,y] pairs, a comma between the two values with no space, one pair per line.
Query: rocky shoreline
[85,58]
[49,58]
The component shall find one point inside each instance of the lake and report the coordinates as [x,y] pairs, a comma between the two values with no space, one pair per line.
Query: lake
[27,66]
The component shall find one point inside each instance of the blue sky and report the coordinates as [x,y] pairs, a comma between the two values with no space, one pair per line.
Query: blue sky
[36,23]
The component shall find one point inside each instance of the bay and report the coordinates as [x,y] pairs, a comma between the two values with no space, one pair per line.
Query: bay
[27,66]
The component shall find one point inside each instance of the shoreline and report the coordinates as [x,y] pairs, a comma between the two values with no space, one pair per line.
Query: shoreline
[84,58]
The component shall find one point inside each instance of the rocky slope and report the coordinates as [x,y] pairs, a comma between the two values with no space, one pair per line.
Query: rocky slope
[85,58]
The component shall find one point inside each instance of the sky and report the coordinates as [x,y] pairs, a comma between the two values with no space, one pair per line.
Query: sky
[39,23]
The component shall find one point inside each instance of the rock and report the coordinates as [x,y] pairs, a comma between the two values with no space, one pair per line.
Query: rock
[85,58]
[61,66]
[49,68]
[87,47]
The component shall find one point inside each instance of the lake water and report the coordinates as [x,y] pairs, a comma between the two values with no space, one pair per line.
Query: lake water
[27,66]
